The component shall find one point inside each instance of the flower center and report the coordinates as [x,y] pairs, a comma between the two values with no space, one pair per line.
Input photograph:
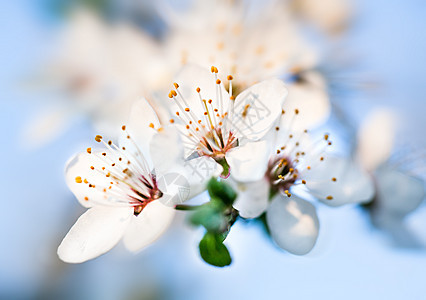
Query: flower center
[296,156]
[123,176]
[281,173]
[211,133]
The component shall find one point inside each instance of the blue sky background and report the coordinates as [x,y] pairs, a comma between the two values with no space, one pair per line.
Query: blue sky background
[352,260]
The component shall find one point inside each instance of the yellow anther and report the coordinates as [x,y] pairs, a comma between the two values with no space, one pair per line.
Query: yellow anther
[245,111]
[78,179]
[123,127]
[176,85]
[329,198]
[151,125]
[89,150]
[98,138]
[230,77]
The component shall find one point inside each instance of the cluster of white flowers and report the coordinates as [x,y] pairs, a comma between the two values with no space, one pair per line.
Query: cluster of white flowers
[240,120]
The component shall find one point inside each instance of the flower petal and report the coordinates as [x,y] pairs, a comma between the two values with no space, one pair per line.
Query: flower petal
[252,198]
[308,95]
[352,184]
[198,172]
[375,139]
[398,194]
[175,187]
[95,232]
[257,108]
[79,166]
[148,226]
[293,224]
[249,162]
[166,151]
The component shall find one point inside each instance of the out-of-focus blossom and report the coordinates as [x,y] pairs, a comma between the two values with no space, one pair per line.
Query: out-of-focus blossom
[255,45]
[398,193]
[126,188]
[98,72]
[220,128]
[332,16]
[294,160]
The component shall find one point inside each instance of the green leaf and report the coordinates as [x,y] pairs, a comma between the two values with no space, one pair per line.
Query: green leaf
[213,251]
[221,190]
[211,216]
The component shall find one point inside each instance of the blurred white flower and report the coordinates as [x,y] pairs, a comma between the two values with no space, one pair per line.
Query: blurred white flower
[397,193]
[331,16]
[256,45]
[216,127]
[293,161]
[98,73]
[127,189]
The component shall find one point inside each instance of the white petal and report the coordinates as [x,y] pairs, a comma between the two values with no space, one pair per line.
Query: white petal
[79,166]
[249,162]
[189,79]
[311,98]
[148,226]
[257,108]
[398,193]
[175,187]
[252,198]
[95,232]
[352,185]
[376,138]
[142,117]
[198,172]
[293,224]
[166,150]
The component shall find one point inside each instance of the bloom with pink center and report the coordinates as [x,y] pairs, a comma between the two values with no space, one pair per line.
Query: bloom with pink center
[126,188]
[296,165]
[214,124]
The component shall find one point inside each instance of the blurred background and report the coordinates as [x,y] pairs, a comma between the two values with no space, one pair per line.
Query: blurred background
[383,65]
